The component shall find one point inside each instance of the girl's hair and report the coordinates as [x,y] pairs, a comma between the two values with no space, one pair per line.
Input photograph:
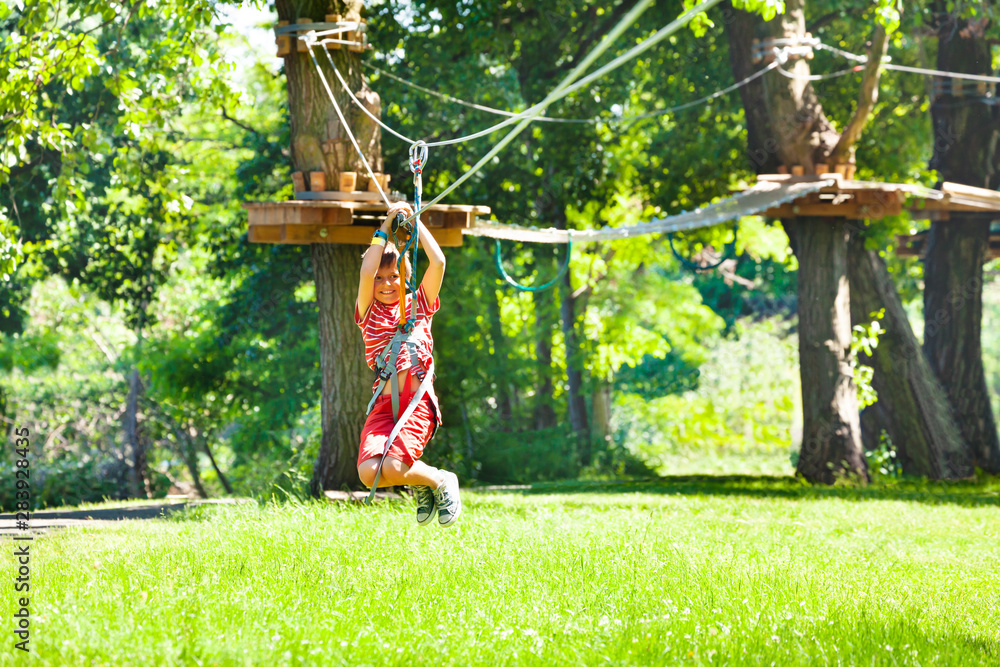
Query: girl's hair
[390,255]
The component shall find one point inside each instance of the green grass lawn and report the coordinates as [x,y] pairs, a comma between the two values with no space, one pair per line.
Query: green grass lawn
[751,571]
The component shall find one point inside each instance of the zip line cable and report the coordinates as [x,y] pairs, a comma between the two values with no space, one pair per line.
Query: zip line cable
[596,119]
[913,70]
[557,93]
[566,87]
[471,105]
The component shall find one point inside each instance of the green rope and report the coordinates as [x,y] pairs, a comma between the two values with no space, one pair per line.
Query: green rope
[534,288]
[727,252]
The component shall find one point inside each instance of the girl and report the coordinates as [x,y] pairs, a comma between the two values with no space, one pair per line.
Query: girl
[377,313]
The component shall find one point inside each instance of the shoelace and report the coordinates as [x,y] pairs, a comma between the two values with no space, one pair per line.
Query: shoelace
[443,497]
[425,495]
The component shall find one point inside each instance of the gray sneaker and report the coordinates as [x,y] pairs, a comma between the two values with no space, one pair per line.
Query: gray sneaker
[426,503]
[449,504]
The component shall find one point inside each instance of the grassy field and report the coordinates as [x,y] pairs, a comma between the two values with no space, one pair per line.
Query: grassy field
[748,571]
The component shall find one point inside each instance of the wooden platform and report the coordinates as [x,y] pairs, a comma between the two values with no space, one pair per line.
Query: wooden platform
[864,200]
[869,200]
[351,222]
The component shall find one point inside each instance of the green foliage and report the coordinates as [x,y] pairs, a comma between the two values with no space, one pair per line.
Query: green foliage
[744,406]
[864,339]
[882,462]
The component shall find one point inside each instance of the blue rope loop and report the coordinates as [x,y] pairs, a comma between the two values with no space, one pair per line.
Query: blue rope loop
[727,253]
[534,288]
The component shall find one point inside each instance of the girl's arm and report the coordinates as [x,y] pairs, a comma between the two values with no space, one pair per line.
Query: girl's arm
[435,265]
[373,257]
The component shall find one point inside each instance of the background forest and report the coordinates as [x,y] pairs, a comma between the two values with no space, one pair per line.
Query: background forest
[134,308]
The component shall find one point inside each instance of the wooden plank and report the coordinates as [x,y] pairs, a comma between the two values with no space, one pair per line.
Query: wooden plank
[300,44]
[304,216]
[349,234]
[346,234]
[333,18]
[284,42]
[433,219]
[970,205]
[788,178]
[813,211]
[448,238]
[364,205]
[460,219]
[970,191]
[317,181]
[337,216]
[266,234]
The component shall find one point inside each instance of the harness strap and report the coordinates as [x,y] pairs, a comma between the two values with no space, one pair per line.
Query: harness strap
[414,402]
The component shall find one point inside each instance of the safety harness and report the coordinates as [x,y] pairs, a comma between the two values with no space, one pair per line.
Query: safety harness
[403,341]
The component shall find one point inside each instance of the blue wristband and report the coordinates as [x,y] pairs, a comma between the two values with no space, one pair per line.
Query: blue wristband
[381,234]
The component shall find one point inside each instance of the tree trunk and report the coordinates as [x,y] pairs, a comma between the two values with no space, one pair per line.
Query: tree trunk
[913,406]
[191,461]
[215,467]
[831,431]
[966,132]
[137,476]
[577,404]
[787,126]
[574,372]
[601,410]
[346,377]
[320,143]
[545,414]
[500,353]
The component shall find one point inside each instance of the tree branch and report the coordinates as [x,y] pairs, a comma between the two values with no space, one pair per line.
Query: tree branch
[237,123]
[844,150]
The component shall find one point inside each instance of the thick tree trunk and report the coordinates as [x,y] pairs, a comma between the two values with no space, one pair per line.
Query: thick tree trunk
[346,377]
[137,476]
[966,132]
[953,275]
[831,433]
[787,126]
[913,406]
[320,143]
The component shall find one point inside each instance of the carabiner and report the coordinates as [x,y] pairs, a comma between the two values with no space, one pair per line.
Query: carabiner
[418,157]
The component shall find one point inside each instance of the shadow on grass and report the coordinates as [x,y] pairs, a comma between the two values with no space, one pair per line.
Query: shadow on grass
[980,493]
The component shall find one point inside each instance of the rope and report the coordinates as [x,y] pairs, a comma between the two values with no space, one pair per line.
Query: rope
[819,77]
[566,87]
[472,105]
[596,119]
[310,41]
[445,142]
[727,252]
[535,288]
[913,70]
